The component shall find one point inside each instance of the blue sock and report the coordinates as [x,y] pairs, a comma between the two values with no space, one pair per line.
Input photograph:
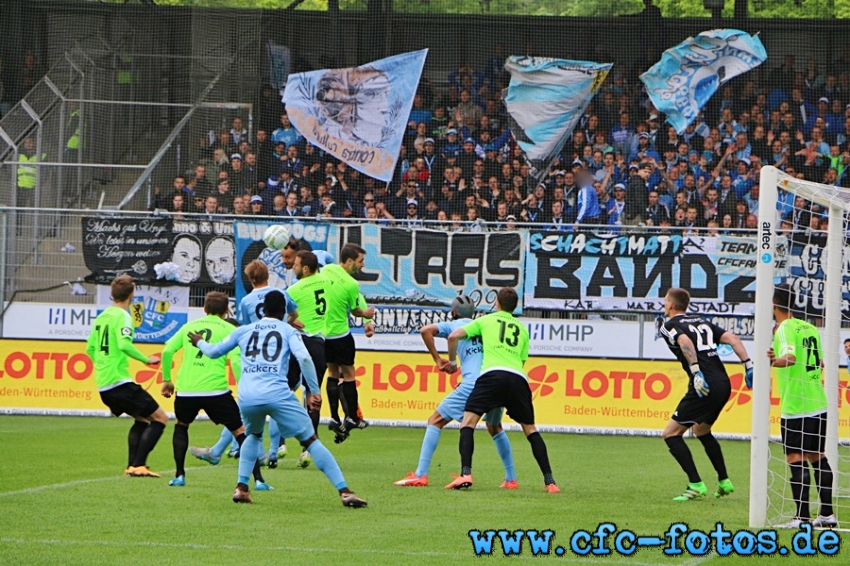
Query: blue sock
[252,448]
[325,461]
[503,447]
[429,445]
[274,439]
[218,449]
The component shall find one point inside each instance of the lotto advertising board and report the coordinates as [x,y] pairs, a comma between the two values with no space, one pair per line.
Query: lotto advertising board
[570,394]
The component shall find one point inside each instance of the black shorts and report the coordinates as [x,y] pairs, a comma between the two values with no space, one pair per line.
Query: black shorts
[693,409]
[221,409]
[804,434]
[340,351]
[129,398]
[502,389]
[316,347]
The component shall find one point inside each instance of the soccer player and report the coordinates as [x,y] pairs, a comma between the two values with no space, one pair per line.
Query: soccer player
[503,383]
[109,346]
[694,340]
[451,408]
[202,384]
[250,310]
[797,356]
[263,391]
[343,297]
[309,296]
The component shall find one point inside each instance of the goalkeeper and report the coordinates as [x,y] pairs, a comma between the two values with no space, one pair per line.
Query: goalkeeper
[694,341]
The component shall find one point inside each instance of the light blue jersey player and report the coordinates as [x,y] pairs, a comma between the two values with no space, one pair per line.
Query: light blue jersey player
[470,353]
[250,310]
[265,348]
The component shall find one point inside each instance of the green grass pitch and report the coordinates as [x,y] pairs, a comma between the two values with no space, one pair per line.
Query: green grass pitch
[63,500]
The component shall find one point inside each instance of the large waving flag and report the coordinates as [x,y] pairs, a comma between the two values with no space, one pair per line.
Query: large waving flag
[359,114]
[690,73]
[545,100]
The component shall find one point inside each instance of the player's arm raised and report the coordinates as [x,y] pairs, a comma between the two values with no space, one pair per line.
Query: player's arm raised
[740,351]
[785,356]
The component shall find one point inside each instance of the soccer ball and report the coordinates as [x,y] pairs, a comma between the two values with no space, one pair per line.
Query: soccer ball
[276,236]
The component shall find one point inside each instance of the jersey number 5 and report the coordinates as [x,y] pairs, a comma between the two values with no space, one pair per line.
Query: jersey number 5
[321,303]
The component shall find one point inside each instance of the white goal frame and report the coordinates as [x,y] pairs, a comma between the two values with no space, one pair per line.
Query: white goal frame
[770,179]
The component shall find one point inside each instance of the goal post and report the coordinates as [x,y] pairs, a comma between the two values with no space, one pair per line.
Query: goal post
[819,296]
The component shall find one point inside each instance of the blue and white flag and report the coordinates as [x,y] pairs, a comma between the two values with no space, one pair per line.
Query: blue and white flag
[545,100]
[359,114]
[690,73]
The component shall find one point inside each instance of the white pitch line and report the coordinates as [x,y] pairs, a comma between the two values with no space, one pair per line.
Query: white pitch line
[40,488]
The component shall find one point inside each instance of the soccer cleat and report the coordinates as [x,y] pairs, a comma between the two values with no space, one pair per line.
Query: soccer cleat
[142,472]
[794,523]
[127,471]
[204,454]
[351,500]
[240,496]
[412,480]
[825,522]
[460,482]
[694,491]
[304,460]
[281,451]
[350,424]
[724,488]
[552,488]
[263,459]
[272,463]
[512,484]
[262,486]
[333,425]
[233,454]
[179,481]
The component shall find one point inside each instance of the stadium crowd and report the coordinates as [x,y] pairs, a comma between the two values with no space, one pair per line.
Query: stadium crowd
[622,166]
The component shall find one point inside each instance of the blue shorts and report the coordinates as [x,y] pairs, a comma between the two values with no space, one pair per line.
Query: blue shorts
[291,418]
[451,408]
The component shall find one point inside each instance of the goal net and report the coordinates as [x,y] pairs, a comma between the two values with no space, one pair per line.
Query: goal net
[803,229]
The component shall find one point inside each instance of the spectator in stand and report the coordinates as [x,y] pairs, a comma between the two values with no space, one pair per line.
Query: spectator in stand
[616,207]
[557,221]
[224,143]
[587,203]
[178,204]
[411,219]
[286,133]
[256,205]
[637,193]
[239,207]
[202,184]
[655,212]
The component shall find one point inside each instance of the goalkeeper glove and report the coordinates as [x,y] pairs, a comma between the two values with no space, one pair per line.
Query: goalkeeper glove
[700,385]
[748,376]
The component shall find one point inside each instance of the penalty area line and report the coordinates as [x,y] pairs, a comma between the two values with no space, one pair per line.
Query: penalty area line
[41,488]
